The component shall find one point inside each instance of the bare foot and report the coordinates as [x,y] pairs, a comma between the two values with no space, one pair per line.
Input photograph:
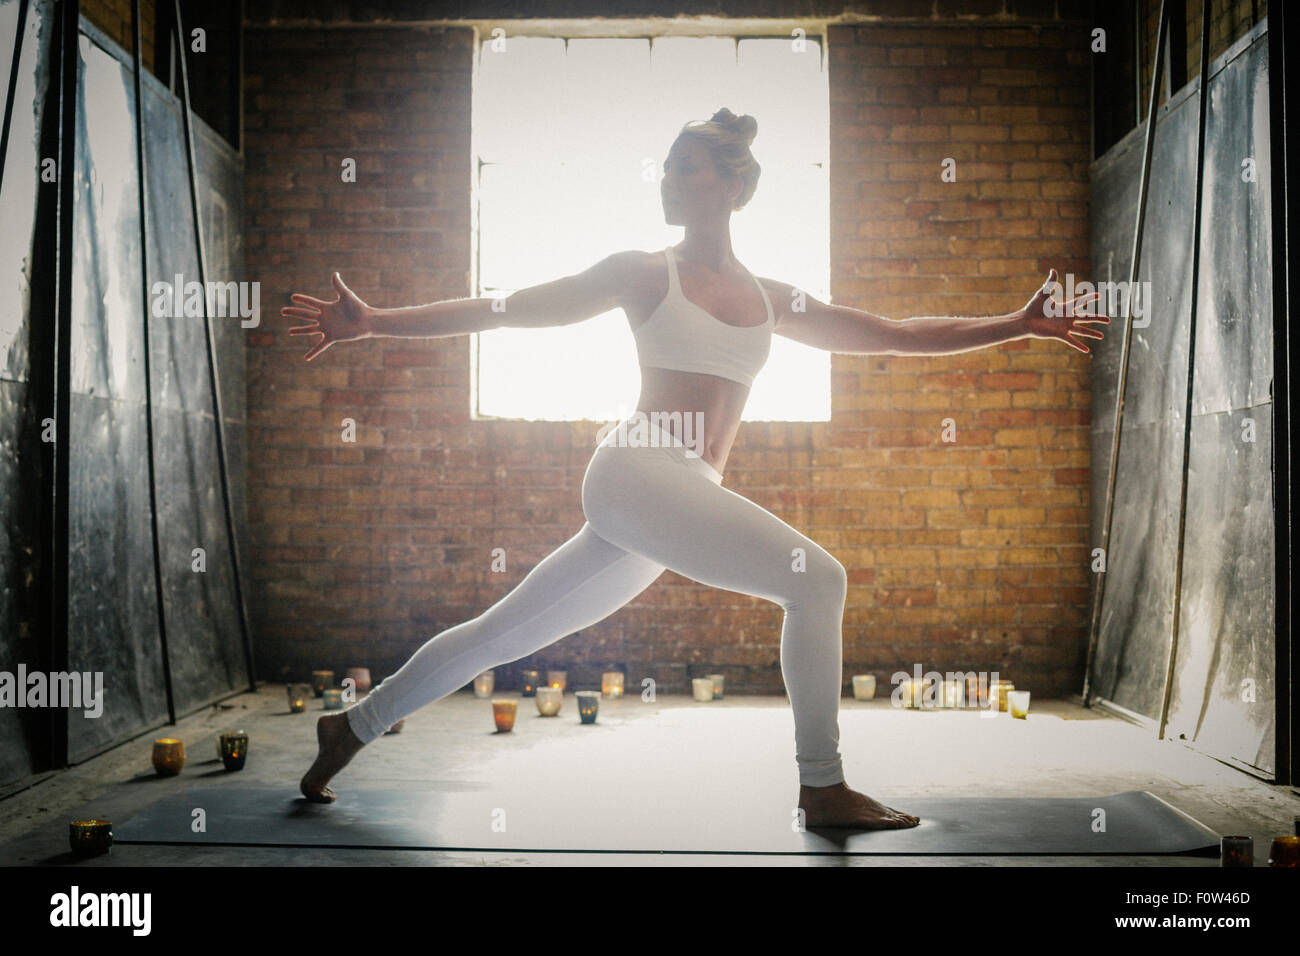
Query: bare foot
[337,745]
[838,806]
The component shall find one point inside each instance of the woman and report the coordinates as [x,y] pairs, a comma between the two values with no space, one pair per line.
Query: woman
[703,326]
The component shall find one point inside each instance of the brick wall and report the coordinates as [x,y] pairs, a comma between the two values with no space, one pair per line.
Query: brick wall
[965,555]
[969,554]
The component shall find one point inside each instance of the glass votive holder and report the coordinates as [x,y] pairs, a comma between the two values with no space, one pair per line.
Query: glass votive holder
[1236,851]
[233,747]
[333,698]
[557,679]
[549,700]
[702,688]
[503,714]
[528,683]
[588,705]
[952,694]
[90,837]
[718,681]
[611,684]
[977,691]
[864,686]
[484,683]
[360,677]
[397,727]
[168,756]
[321,680]
[1285,851]
[998,694]
[297,697]
[1018,703]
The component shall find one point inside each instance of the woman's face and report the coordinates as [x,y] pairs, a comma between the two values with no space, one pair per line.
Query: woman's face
[691,189]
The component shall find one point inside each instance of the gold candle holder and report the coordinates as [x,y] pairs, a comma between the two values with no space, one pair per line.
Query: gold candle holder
[168,756]
[549,701]
[611,684]
[503,715]
[1285,851]
[90,837]
[333,698]
[320,680]
[998,694]
[297,694]
[233,748]
[718,681]
[557,679]
[528,683]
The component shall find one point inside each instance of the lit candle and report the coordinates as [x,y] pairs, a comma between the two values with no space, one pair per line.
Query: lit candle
[910,692]
[1285,851]
[297,698]
[503,714]
[549,700]
[233,747]
[1236,851]
[588,704]
[360,679]
[999,691]
[529,683]
[333,698]
[951,693]
[90,837]
[718,680]
[168,756]
[864,686]
[702,688]
[397,727]
[321,680]
[557,679]
[1018,703]
[611,684]
[484,683]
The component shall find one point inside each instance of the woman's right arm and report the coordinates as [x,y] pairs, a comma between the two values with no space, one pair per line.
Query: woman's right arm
[564,301]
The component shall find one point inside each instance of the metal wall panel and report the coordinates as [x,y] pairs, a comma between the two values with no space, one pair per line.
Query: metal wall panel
[1227,597]
[23,732]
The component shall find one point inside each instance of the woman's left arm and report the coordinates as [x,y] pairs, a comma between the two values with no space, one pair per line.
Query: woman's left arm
[838,328]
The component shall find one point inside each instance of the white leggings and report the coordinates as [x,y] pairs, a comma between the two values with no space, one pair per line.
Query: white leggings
[651,507]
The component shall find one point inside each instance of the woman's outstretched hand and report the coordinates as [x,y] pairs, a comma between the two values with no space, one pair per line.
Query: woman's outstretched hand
[344,319]
[1062,319]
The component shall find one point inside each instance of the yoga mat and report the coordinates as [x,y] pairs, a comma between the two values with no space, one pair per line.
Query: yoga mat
[549,819]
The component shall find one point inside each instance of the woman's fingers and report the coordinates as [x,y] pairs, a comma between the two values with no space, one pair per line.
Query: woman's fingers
[310,300]
[305,329]
[289,312]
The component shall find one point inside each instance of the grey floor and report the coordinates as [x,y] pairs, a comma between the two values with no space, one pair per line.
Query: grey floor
[742,742]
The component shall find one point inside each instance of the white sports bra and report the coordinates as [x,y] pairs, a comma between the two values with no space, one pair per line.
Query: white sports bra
[680,335]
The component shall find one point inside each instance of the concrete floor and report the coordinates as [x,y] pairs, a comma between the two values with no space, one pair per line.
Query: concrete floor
[1062,750]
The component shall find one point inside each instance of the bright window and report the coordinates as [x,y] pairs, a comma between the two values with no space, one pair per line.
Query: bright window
[570,137]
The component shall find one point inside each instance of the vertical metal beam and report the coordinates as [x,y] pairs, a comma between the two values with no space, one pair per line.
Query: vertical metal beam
[141,192]
[69,34]
[1202,100]
[214,378]
[13,86]
[1094,626]
[1282,95]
